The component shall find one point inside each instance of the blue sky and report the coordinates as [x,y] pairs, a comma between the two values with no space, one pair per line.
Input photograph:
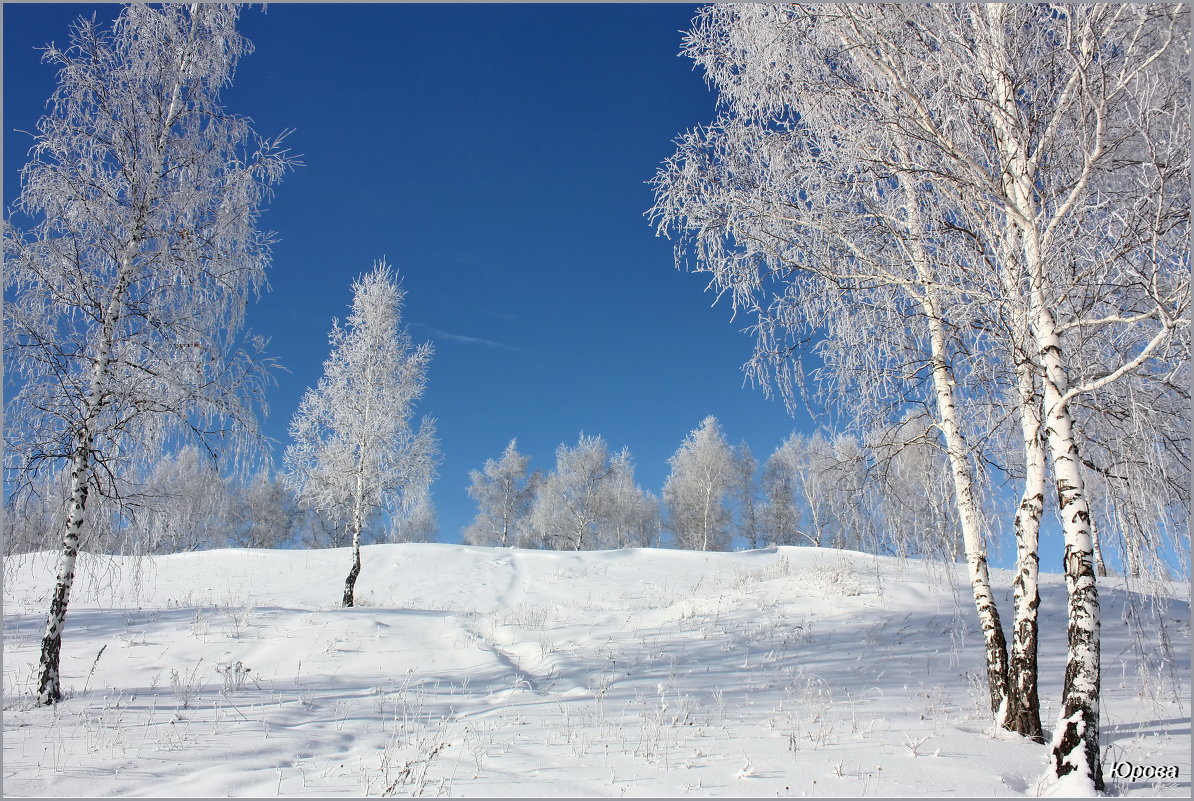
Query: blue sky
[497,156]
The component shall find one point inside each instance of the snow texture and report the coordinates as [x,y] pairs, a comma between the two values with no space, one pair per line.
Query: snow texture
[477,671]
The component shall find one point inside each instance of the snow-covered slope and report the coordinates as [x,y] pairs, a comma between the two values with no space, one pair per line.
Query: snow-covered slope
[492,672]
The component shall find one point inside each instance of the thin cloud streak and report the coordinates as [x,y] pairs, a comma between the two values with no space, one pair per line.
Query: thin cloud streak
[464,340]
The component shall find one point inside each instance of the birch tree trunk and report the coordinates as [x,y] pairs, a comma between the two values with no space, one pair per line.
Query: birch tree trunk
[1100,565]
[1024,714]
[49,686]
[350,583]
[358,496]
[968,514]
[705,512]
[1076,745]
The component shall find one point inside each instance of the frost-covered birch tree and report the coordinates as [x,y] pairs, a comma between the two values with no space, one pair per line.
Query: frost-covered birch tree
[1069,137]
[782,200]
[962,167]
[504,492]
[356,451]
[696,493]
[125,295]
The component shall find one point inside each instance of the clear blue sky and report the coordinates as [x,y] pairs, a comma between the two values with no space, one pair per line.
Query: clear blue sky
[497,156]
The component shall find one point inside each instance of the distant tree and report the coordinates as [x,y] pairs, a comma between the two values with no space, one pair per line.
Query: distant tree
[781,511]
[697,492]
[916,512]
[504,492]
[185,504]
[354,446]
[320,528]
[634,515]
[806,497]
[125,300]
[416,521]
[263,513]
[836,491]
[33,520]
[572,506]
[744,496]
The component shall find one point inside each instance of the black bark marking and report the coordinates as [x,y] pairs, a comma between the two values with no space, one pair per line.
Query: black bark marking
[1078,702]
[1070,740]
[351,582]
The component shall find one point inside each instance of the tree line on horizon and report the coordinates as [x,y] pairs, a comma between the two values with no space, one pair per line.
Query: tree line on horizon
[813,490]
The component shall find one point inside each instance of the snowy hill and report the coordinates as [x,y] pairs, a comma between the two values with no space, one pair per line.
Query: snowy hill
[491,672]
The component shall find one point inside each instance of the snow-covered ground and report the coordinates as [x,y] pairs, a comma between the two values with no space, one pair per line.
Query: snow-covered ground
[490,672]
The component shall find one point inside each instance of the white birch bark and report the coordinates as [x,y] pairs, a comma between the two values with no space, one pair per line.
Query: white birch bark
[1100,565]
[1024,714]
[359,490]
[697,489]
[357,523]
[49,689]
[1080,693]
[969,515]
[1023,691]
[1077,746]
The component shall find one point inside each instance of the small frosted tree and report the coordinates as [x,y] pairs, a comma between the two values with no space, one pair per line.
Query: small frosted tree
[355,450]
[696,493]
[504,493]
[802,491]
[125,300]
